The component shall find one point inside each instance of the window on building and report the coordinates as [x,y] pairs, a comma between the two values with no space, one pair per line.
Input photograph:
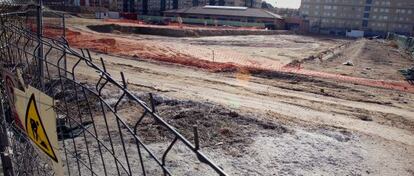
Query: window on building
[367,8]
[365,23]
[366,15]
[369,1]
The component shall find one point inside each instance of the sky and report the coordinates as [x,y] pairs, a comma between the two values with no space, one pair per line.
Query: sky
[285,3]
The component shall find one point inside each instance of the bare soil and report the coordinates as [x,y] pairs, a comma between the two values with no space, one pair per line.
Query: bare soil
[267,122]
[178,32]
[283,124]
[280,53]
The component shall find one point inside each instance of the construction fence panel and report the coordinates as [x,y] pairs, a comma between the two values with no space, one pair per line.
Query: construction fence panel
[96,134]
[405,43]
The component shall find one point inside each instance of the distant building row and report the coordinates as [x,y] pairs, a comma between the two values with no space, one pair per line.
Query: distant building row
[154,7]
[374,17]
[228,15]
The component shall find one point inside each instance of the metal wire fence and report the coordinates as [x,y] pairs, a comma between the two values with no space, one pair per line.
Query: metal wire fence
[97,135]
[405,43]
[206,22]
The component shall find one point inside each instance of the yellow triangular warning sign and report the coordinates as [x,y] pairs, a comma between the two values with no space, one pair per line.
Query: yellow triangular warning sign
[36,130]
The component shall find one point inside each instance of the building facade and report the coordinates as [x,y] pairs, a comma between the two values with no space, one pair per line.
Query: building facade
[374,17]
[156,7]
[228,15]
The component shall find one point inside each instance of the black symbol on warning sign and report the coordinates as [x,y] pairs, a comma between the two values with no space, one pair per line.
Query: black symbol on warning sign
[35,126]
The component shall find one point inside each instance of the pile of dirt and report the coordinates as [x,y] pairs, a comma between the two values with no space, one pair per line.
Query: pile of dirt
[216,124]
[145,51]
[115,47]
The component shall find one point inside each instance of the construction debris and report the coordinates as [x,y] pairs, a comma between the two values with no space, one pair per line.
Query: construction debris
[348,63]
[408,74]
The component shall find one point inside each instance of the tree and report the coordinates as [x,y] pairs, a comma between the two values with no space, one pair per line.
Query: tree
[266,5]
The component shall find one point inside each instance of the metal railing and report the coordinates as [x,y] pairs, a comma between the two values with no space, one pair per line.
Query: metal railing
[96,134]
[404,43]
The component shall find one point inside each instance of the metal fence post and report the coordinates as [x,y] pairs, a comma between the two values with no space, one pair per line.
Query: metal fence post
[40,51]
[6,160]
[65,64]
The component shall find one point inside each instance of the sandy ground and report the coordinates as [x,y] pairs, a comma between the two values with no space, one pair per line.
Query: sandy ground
[272,51]
[269,123]
[313,126]
[285,53]
[269,51]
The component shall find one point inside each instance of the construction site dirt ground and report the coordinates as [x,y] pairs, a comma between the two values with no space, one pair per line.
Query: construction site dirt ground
[272,121]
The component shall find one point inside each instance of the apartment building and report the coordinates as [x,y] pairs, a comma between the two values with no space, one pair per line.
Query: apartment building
[375,17]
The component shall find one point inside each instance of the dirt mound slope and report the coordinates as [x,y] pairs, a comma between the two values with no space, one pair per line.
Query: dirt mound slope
[178,32]
[374,59]
[216,124]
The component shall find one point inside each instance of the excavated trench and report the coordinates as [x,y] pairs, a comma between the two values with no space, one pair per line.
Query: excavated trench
[183,32]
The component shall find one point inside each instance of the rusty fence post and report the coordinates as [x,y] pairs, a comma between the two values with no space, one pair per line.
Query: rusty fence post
[5,153]
[40,51]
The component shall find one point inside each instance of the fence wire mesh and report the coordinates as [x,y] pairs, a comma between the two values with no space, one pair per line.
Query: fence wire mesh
[405,43]
[96,134]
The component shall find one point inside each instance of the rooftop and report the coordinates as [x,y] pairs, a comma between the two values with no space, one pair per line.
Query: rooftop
[227,11]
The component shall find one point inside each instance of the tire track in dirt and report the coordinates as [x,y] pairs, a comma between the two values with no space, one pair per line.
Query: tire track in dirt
[190,84]
[276,92]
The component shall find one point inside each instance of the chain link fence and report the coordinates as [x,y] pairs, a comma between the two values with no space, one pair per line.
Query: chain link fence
[405,43]
[197,21]
[97,135]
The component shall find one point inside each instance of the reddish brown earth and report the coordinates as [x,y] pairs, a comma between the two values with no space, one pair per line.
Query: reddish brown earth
[174,25]
[116,46]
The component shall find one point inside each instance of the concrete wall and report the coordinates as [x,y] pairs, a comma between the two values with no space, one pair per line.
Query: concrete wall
[179,32]
[279,24]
